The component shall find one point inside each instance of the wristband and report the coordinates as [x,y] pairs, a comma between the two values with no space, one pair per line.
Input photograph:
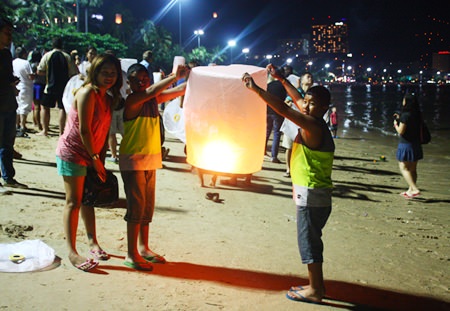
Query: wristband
[95,157]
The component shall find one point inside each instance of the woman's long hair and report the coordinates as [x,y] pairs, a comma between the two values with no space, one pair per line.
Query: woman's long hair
[94,71]
[411,104]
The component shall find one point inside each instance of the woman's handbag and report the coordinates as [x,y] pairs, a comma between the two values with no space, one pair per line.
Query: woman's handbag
[98,193]
[425,136]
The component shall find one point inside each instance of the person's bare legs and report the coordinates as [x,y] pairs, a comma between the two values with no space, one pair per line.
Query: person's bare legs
[23,121]
[288,161]
[37,115]
[315,291]
[409,172]
[74,190]
[62,121]
[133,255]
[112,141]
[88,216]
[45,118]
[144,248]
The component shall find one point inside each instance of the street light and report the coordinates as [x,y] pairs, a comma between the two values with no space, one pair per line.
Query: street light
[179,21]
[198,33]
[246,51]
[231,44]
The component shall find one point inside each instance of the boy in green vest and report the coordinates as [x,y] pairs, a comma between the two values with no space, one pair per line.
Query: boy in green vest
[311,165]
[140,156]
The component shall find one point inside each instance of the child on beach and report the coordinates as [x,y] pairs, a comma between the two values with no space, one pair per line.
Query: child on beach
[80,147]
[334,122]
[311,164]
[140,156]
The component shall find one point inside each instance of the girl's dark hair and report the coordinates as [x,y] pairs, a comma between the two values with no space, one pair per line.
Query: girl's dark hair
[36,56]
[411,103]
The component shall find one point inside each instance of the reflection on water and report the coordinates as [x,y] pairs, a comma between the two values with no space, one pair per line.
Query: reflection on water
[370,107]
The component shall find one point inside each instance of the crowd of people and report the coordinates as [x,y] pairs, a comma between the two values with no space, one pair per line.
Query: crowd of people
[109,101]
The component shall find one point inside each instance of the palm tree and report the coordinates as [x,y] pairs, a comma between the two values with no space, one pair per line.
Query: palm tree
[47,12]
[159,40]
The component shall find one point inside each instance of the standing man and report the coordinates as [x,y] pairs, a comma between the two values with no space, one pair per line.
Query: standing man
[8,106]
[274,120]
[58,68]
[147,60]
[22,70]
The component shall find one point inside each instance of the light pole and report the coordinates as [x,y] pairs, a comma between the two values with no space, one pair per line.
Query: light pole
[78,15]
[198,33]
[231,44]
[246,51]
[179,21]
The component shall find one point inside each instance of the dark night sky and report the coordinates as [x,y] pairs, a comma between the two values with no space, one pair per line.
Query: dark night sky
[385,28]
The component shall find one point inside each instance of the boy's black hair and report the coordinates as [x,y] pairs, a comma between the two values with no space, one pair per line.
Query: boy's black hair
[135,68]
[320,94]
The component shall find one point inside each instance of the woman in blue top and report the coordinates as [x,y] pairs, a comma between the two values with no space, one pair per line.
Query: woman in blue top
[409,151]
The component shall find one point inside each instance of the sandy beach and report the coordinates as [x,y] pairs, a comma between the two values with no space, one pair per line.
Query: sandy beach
[381,250]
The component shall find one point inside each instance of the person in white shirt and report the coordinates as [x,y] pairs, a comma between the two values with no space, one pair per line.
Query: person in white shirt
[22,70]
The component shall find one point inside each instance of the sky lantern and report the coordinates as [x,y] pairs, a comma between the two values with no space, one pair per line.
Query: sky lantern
[225,123]
[118,19]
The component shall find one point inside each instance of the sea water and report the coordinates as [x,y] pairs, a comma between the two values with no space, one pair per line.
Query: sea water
[365,112]
[370,108]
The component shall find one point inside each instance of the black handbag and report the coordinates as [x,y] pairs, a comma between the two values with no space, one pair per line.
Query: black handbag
[98,193]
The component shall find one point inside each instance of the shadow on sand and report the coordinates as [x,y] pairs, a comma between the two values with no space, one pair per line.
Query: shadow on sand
[343,295]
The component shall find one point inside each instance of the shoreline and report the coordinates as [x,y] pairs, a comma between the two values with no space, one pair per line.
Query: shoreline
[381,251]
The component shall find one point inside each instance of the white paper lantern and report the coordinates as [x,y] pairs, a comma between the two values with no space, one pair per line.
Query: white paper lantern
[225,122]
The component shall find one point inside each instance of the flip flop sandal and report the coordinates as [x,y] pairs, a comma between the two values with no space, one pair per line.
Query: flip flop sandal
[99,254]
[142,266]
[213,196]
[87,265]
[21,133]
[296,296]
[155,259]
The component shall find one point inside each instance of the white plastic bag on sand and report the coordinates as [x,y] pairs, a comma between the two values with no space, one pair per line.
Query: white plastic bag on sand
[25,256]
[173,118]
[74,83]
[225,122]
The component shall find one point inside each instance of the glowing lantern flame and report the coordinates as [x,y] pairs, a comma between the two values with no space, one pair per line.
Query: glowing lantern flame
[225,123]
[118,19]
[219,156]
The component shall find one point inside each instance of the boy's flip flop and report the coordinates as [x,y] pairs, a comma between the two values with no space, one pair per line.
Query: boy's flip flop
[142,266]
[296,296]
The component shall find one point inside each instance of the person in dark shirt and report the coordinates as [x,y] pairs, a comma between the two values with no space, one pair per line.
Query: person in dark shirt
[8,106]
[274,120]
[409,151]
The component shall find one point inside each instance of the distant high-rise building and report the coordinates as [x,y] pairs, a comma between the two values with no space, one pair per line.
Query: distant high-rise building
[441,61]
[330,38]
[295,47]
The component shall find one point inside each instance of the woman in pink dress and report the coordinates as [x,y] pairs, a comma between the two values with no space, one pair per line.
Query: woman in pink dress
[83,140]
